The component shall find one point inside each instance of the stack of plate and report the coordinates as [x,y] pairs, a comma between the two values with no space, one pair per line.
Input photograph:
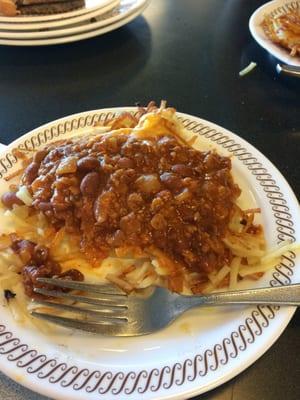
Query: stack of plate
[96,18]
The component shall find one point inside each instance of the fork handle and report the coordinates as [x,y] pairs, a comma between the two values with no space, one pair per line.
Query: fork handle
[290,70]
[284,295]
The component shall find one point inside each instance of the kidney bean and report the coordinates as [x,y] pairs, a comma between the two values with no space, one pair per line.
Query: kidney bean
[90,183]
[41,254]
[9,199]
[88,163]
[72,275]
[25,249]
[171,181]
[182,170]
[31,272]
[31,172]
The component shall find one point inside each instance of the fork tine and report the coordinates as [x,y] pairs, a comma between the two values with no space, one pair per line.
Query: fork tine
[103,301]
[88,287]
[116,315]
[108,329]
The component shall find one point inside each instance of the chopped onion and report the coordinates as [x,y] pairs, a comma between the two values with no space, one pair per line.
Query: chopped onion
[24,195]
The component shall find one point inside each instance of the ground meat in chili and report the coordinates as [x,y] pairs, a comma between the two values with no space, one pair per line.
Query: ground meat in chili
[38,264]
[122,190]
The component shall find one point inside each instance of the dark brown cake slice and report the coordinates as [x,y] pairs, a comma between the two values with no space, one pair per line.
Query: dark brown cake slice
[45,7]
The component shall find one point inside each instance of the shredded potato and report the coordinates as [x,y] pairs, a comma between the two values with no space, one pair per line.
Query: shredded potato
[129,267]
[217,279]
[127,273]
[234,272]
[24,195]
[284,30]
[277,252]
[245,245]
[255,269]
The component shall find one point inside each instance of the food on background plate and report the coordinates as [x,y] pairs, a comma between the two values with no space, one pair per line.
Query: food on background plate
[135,203]
[284,30]
[8,8]
[12,8]
[47,7]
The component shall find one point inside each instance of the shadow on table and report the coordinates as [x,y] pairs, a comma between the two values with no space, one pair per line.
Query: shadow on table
[48,82]
[262,94]
[135,36]
[237,46]
[267,64]
[110,60]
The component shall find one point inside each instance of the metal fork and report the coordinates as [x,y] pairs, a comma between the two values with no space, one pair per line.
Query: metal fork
[290,70]
[111,312]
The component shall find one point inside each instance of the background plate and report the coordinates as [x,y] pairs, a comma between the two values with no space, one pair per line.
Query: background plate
[59,23]
[90,5]
[74,38]
[120,12]
[276,7]
[204,347]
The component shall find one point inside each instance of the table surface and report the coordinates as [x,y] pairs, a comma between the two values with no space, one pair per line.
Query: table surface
[188,52]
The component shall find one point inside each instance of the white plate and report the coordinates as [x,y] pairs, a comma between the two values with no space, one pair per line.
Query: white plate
[60,23]
[74,38]
[122,11]
[90,5]
[276,7]
[203,348]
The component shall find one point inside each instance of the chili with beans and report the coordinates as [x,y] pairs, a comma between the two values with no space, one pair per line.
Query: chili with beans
[124,190]
[38,264]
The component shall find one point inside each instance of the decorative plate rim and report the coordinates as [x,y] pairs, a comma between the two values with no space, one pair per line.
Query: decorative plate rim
[151,381]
